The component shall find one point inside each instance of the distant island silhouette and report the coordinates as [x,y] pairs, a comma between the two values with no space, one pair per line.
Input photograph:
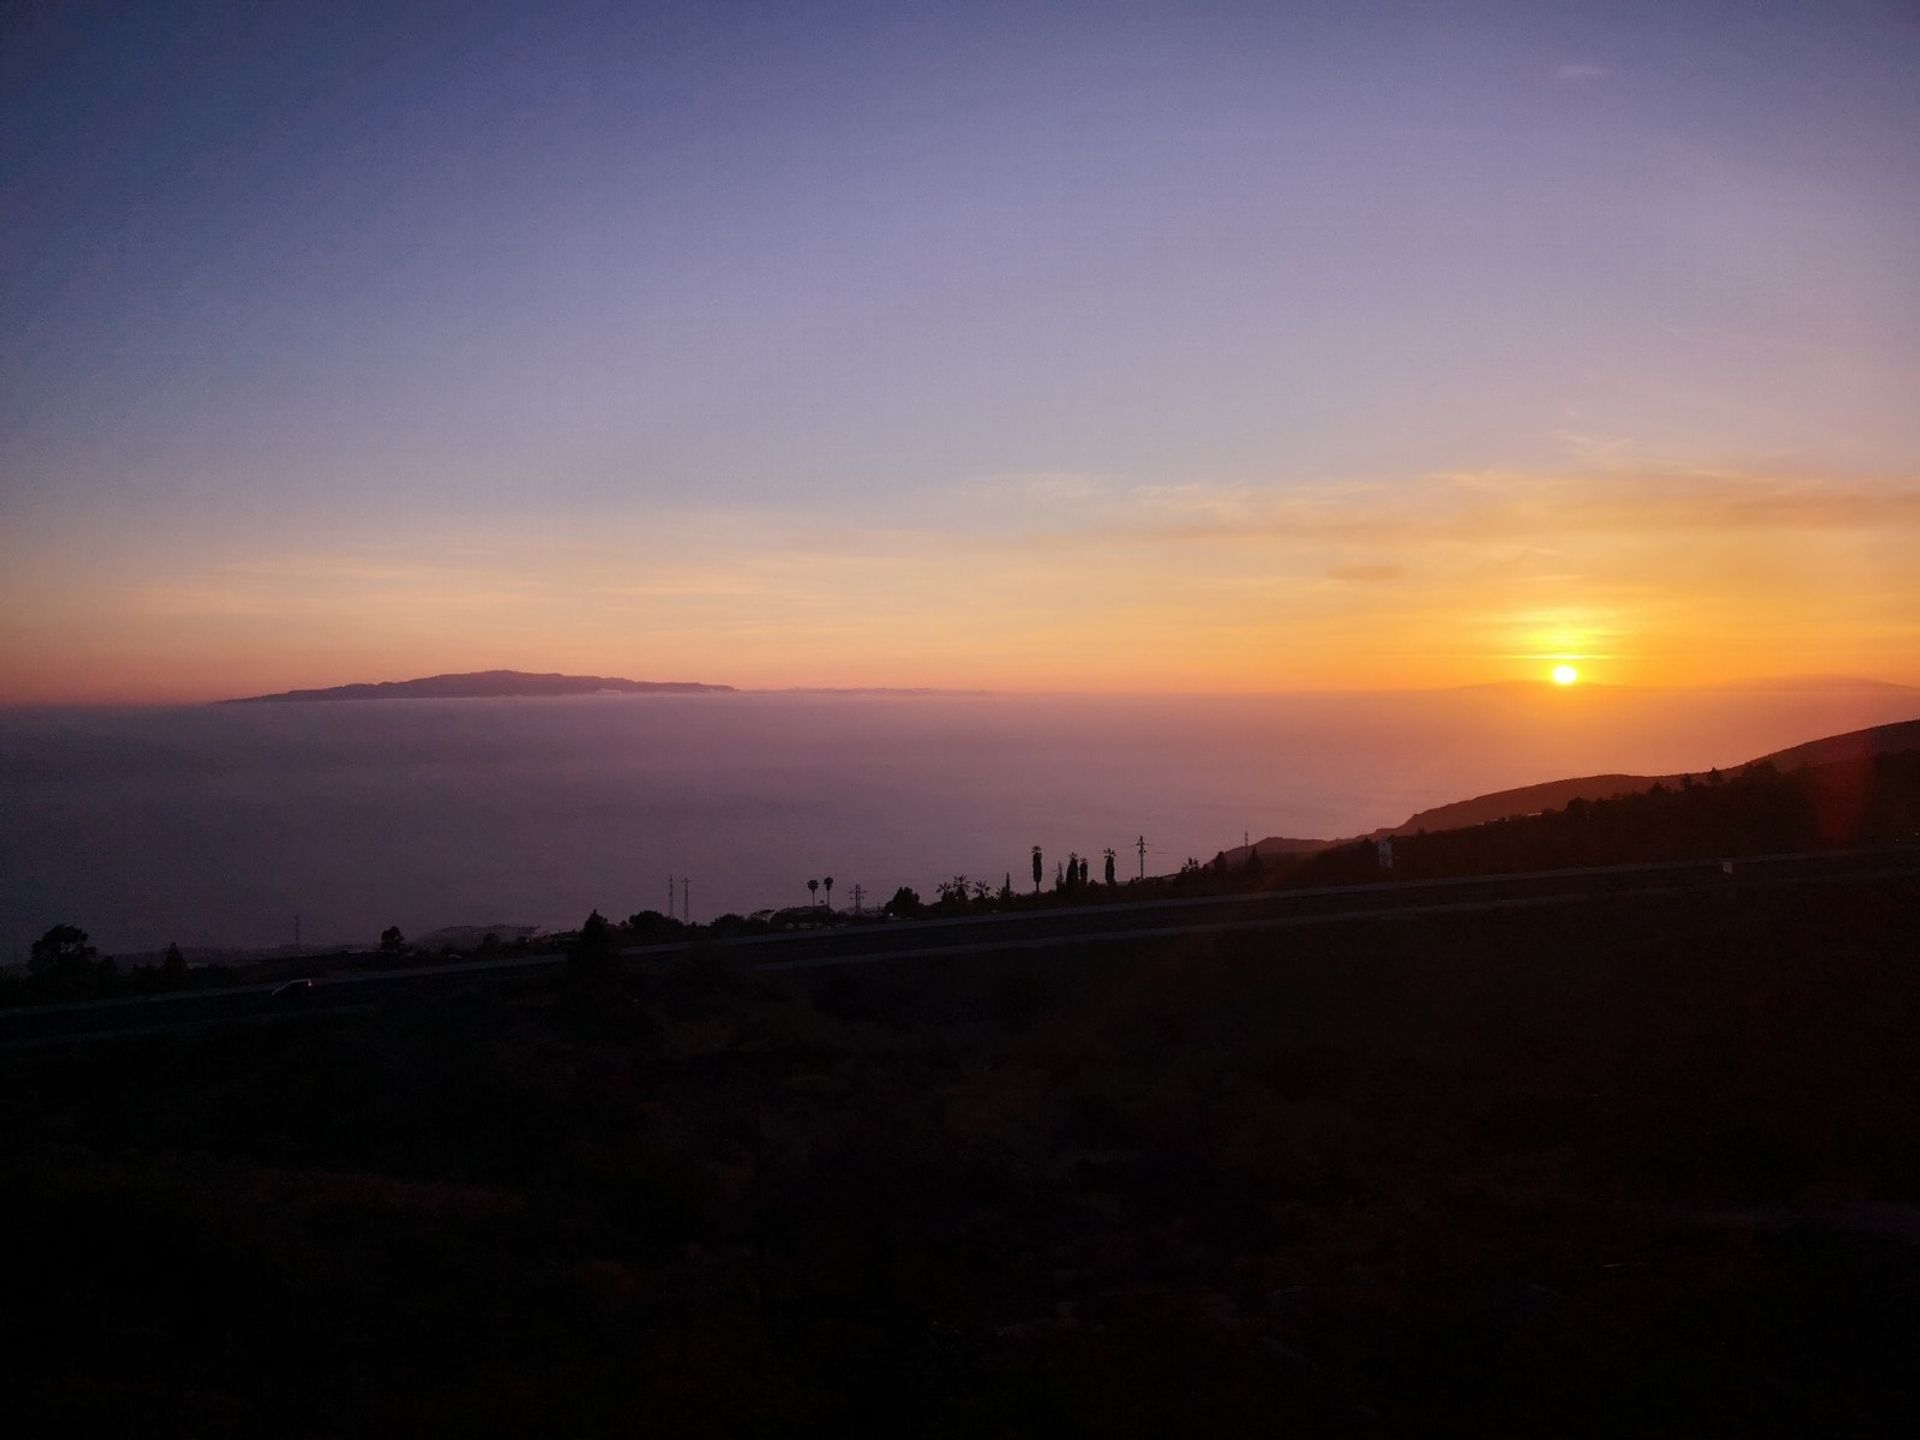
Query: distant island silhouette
[489,684]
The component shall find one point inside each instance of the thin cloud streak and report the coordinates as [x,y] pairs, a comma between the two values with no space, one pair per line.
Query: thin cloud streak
[1489,505]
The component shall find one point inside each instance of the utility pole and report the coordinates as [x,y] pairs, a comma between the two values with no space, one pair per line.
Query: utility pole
[669,897]
[857,893]
[1141,844]
[686,906]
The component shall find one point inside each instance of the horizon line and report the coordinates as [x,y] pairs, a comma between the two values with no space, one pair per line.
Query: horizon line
[1804,682]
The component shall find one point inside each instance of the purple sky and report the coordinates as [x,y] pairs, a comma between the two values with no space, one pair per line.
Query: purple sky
[304,298]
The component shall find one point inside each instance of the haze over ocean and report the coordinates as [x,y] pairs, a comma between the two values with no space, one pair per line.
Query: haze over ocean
[214,826]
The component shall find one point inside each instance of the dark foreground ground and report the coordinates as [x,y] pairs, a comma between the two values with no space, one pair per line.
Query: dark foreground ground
[1642,1167]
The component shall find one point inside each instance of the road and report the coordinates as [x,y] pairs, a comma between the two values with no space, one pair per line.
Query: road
[92,1021]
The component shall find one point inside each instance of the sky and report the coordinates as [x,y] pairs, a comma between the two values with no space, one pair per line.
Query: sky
[1104,346]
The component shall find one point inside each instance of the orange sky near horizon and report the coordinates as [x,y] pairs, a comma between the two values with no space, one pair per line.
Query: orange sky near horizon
[1026,583]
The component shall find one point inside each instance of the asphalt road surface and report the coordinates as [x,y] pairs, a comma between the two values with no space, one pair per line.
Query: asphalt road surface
[1066,926]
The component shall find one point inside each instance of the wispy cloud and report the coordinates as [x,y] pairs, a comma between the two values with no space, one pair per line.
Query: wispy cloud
[1065,485]
[1582,74]
[1493,505]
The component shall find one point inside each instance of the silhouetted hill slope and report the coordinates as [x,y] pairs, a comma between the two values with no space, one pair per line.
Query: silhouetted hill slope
[1552,795]
[488,684]
[1854,745]
[1867,799]
[1525,800]
[1275,847]
[1556,794]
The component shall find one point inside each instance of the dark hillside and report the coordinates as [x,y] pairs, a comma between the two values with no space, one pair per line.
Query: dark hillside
[1646,1168]
[1760,810]
[1525,800]
[1854,745]
[1556,794]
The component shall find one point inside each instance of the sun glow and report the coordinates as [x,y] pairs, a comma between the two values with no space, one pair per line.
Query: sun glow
[1565,674]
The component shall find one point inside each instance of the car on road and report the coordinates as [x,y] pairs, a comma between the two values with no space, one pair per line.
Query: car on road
[293,990]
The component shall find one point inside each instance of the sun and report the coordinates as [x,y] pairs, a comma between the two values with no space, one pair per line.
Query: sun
[1565,674]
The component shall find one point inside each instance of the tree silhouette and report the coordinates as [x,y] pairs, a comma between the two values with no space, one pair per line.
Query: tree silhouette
[62,950]
[828,882]
[1038,870]
[1083,872]
[1109,865]
[592,959]
[813,888]
[174,965]
[392,941]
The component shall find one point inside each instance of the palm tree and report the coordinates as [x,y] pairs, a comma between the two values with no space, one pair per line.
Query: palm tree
[828,882]
[1037,872]
[813,887]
